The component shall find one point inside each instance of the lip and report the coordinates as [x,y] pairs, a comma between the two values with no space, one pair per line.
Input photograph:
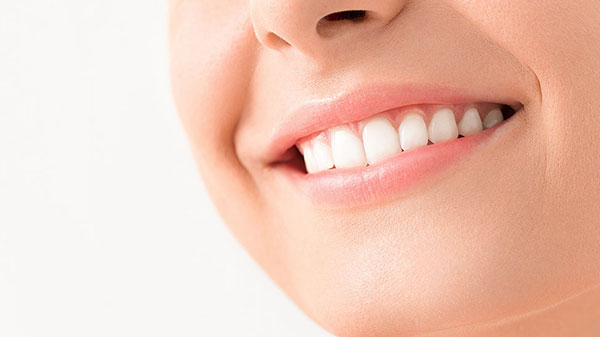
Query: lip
[393,177]
[321,114]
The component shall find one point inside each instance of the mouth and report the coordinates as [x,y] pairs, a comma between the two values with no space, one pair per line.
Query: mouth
[368,142]
[361,148]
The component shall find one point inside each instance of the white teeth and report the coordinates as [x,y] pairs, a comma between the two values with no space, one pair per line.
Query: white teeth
[492,118]
[442,126]
[380,140]
[341,147]
[347,148]
[413,132]
[323,155]
[470,123]
[309,159]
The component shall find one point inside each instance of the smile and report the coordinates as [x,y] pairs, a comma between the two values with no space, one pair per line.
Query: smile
[340,155]
[378,138]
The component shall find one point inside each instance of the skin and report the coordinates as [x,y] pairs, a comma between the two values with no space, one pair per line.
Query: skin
[506,243]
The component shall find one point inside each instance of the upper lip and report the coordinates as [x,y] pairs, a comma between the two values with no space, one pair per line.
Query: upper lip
[345,107]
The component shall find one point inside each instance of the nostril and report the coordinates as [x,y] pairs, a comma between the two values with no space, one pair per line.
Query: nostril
[336,23]
[346,15]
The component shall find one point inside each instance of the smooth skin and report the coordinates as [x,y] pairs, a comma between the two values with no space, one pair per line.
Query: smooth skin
[507,244]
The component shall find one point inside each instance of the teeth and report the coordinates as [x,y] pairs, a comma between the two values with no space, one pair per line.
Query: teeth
[380,140]
[442,126]
[342,147]
[492,118]
[309,159]
[413,132]
[347,148]
[470,123]
[323,155]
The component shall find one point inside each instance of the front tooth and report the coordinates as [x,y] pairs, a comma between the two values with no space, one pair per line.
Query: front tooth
[347,148]
[309,158]
[413,132]
[470,123]
[492,118]
[380,140]
[323,155]
[442,126]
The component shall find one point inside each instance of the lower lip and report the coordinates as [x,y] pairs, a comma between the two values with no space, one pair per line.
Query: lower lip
[391,178]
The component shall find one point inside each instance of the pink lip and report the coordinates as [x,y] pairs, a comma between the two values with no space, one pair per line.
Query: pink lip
[321,114]
[351,187]
[390,178]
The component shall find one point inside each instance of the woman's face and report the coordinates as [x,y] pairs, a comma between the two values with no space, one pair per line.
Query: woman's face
[376,240]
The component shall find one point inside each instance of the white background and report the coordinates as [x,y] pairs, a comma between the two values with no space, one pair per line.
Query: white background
[105,229]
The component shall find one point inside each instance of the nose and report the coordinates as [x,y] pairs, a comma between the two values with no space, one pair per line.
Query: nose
[309,25]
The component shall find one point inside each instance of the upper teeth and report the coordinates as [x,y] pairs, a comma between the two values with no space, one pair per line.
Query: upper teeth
[492,118]
[387,134]
[470,123]
[442,126]
[413,132]
[380,139]
[347,149]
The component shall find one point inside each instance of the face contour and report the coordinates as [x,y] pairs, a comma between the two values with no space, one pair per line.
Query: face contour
[452,172]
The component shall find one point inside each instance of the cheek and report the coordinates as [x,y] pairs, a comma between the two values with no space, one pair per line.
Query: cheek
[557,40]
[560,42]
[212,54]
[211,63]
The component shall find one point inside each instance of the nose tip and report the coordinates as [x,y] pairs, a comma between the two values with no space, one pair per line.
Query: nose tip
[308,25]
